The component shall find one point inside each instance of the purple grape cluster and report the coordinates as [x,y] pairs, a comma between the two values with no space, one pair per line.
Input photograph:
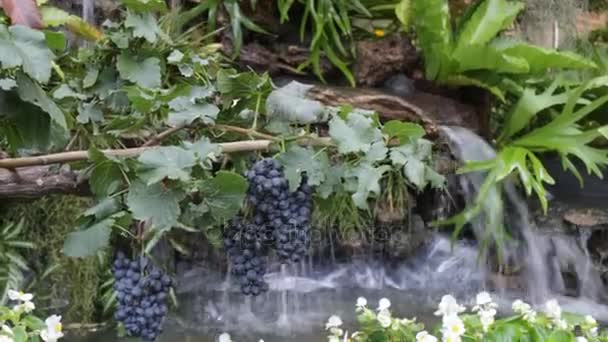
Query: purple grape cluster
[141,290]
[280,221]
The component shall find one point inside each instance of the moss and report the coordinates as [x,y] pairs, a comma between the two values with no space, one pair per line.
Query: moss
[73,285]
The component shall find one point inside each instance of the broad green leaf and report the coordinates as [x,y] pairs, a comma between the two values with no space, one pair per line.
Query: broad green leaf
[90,78]
[204,150]
[89,112]
[404,131]
[488,57]
[55,40]
[19,334]
[87,242]
[145,73]
[403,11]
[154,203]
[413,157]
[31,92]
[25,47]
[224,194]
[298,160]
[170,162]
[368,182]
[464,81]
[7,83]
[540,59]
[64,91]
[106,176]
[432,23]
[54,16]
[144,26]
[146,5]
[184,112]
[142,100]
[289,103]
[103,209]
[377,152]
[489,18]
[355,134]
[603,131]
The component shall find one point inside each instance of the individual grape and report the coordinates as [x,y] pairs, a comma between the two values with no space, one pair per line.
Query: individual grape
[141,291]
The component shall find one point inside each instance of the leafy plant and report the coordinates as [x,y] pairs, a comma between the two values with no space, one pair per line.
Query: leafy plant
[473,54]
[520,145]
[12,263]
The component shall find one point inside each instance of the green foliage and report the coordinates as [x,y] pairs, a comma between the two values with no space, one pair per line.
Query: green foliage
[471,54]
[534,127]
[23,47]
[12,261]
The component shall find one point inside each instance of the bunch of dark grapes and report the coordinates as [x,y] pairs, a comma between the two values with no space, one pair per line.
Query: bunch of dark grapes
[141,290]
[287,214]
[245,244]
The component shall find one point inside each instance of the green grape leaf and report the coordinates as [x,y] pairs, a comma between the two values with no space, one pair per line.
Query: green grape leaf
[170,162]
[146,5]
[404,131]
[333,177]
[106,176]
[89,112]
[175,57]
[154,203]
[413,157]
[224,194]
[64,91]
[184,111]
[87,242]
[31,92]
[377,152]
[26,47]
[103,209]
[90,78]
[144,26]
[205,151]
[144,73]
[298,160]
[355,134]
[368,182]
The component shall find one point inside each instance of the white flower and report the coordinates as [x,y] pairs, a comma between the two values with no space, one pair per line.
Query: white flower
[20,296]
[361,302]
[52,332]
[333,338]
[484,301]
[384,304]
[448,306]
[553,310]
[486,317]
[593,331]
[26,307]
[561,324]
[580,339]
[520,307]
[4,338]
[406,321]
[453,328]
[589,320]
[333,322]
[530,316]
[424,336]
[225,337]
[384,318]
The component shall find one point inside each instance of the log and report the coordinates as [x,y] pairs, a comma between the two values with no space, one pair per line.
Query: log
[35,182]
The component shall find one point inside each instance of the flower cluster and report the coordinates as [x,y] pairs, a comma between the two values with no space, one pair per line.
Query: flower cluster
[19,322]
[452,327]
[554,312]
[486,310]
[525,310]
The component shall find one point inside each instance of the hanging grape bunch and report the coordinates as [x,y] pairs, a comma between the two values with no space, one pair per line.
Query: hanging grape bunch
[141,291]
[287,214]
[245,245]
[280,220]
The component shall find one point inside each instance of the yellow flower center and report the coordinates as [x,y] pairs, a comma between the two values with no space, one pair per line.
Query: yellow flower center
[58,327]
[455,329]
[379,32]
[21,293]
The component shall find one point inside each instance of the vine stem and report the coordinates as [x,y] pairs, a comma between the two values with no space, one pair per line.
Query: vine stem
[73,156]
[162,135]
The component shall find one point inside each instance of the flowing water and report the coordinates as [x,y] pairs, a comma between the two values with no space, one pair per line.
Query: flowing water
[88,11]
[551,264]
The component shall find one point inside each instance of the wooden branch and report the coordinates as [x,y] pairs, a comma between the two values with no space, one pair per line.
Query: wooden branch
[73,156]
[162,135]
[38,181]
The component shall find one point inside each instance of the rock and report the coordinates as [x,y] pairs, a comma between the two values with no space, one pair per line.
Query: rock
[586,217]
[379,59]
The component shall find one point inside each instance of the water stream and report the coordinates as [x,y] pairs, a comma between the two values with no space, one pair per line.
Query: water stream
[551,264]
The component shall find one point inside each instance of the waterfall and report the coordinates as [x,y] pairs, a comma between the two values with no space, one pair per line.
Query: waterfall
[88,11]
[545,257]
